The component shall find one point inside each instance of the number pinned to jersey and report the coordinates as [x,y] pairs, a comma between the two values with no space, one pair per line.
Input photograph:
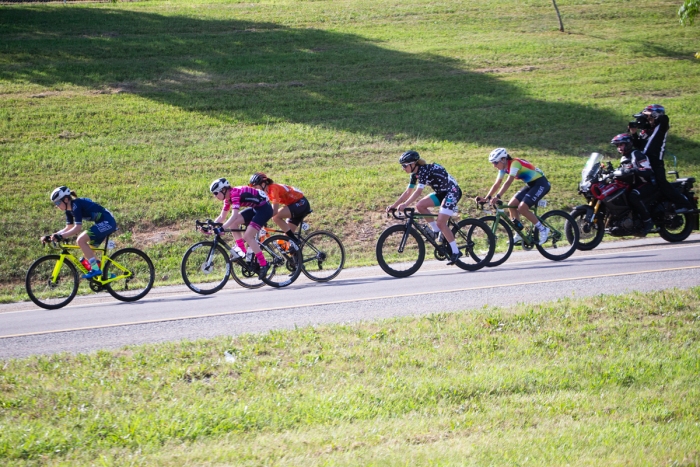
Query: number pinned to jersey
[542,203]
[111,245]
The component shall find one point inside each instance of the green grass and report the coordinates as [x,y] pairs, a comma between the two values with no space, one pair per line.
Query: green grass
[140,105]
[602,381]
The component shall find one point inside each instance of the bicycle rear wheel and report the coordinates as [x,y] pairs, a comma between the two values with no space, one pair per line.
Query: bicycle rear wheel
[134,273]
[284,260]
[563,235]
[205,269]
[503,238]
[323,256]
[400,263]
[44,291]
[476,242]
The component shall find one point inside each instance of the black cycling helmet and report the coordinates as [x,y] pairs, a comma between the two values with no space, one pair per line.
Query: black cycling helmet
[409,157]
[257,179]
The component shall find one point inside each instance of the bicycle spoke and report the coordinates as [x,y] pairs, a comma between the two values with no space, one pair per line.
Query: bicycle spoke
[323,256]
[50,286]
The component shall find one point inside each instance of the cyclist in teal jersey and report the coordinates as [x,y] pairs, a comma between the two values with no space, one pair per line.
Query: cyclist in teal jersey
[537,187]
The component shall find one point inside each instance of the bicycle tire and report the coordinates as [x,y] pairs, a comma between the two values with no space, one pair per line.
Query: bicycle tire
[142,274]
[39,287]
[589,235]
[503,238]
[196,272]
[476,241]
[557,222]
[284,261]
[388,256]
[322,248]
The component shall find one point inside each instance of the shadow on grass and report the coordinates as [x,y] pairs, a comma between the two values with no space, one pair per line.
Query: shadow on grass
[242,71]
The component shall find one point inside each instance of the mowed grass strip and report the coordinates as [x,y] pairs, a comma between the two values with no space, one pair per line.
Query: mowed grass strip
[140,105]
[610,380]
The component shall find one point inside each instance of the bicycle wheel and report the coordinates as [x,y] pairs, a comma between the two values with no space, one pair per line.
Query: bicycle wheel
[205,269]
[44,291]
[134,273]
[558,246]
[284,261]
[589,234]
[400,263]
[504,240]
[323,256]
[476,242]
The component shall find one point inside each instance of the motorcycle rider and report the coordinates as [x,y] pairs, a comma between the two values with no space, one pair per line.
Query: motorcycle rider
[636,170]
[652,141]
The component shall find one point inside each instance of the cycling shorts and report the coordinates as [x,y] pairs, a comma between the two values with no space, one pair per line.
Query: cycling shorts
[100,230]
[447,200]
[299,210]
[533,191]
[257,217]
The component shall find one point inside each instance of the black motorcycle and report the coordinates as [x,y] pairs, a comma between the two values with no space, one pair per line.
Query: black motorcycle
[608,209]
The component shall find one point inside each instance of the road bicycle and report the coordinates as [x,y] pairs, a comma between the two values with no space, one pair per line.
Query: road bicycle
[561,243]
[401,248]
[52,281]
[207,265]
[322,253]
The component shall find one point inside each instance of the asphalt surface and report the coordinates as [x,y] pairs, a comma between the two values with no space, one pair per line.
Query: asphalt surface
[97,321]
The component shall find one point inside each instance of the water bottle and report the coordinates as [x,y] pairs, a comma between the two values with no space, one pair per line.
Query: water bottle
[236,252]
[518,225]
[249,256]
[85,263]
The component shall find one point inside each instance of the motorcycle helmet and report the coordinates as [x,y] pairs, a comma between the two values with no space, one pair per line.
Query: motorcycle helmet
[409,157]
[498,155]
[218,185]
[655,110]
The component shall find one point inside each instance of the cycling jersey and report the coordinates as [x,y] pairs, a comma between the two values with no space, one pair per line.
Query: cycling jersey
[244,196]
[433,175]
[87,209]
[283,194]
[522,170]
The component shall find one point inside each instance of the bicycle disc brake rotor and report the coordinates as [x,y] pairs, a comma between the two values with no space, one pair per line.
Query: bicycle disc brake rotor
[206,268]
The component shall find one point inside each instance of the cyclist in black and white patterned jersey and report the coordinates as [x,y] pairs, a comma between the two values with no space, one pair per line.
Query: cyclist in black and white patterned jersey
[446,195]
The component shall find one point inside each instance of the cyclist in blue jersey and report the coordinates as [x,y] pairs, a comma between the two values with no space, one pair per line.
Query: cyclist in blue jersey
[77,210]
[446,195]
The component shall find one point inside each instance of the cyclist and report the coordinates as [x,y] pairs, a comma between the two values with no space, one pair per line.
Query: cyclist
[446,194]
[537,187]
[233,198]
[77,210]
[289,205]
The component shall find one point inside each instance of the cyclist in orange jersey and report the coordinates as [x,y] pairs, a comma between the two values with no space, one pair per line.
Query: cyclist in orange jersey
[289,205]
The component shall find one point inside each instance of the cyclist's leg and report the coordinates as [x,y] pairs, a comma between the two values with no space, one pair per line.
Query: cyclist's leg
[534,193]
[280,218]
[294,214]
[423,206]
[258,219]
[447,209]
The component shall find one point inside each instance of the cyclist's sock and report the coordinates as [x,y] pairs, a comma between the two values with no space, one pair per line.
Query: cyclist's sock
[453,245]
[94,265]
[241,244]
[434,226]
[539,225]
[261,259]
[291,235]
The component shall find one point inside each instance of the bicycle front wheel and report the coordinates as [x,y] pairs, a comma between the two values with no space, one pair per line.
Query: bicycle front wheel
[134,274]
[52,282]
[503,238]
[396,262]
[323,256]
[476,242]
[563,235]
[205,269]
[284,260]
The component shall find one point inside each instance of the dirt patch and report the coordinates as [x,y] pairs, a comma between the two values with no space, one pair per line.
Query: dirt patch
[156,235]
[523,69]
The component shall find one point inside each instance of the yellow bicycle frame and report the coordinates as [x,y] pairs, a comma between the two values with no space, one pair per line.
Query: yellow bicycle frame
[65,254]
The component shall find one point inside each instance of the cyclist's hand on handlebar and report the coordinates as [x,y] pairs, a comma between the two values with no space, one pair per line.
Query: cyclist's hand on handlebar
[390,209]
[56,237]
[495,202]
[45,239]
[219,230]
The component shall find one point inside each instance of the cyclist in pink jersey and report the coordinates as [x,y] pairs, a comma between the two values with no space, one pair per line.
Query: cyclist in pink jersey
[261,211]
[528,196]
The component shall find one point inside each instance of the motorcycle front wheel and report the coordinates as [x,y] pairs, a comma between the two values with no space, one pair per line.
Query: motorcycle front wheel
[590,234]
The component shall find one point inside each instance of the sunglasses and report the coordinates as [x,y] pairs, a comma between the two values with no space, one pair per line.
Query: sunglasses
[57,203]
[406,165]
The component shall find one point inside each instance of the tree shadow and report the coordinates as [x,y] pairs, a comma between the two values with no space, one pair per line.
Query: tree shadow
[244,71]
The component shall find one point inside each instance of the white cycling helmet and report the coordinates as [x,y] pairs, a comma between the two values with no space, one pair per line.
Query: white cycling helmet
[59,193]
[218,185]
[497,155]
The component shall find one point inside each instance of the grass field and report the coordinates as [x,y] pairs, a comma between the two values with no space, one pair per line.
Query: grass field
[140,105]
[603,381]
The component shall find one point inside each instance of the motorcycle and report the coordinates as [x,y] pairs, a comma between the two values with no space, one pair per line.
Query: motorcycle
[608,209]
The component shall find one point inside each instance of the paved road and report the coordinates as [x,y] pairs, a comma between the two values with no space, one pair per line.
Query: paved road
[172,313]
